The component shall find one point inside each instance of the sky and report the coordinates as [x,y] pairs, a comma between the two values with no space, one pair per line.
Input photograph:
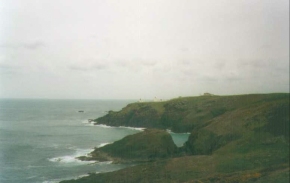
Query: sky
[132,49]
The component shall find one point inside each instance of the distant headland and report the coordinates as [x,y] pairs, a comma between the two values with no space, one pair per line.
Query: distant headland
[239,138]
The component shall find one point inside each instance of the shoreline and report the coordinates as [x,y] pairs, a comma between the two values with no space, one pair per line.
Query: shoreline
[220,128]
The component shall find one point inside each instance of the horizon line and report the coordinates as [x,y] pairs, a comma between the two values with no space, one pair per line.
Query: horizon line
[137,99]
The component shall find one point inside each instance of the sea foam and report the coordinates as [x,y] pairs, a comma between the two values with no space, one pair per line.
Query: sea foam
[51,181]
[73,158]
[127,127]
[133,128]
[104,126]
[103,144]
[89,122]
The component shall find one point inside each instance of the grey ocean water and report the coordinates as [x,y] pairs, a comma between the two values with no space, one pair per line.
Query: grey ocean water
[39,139]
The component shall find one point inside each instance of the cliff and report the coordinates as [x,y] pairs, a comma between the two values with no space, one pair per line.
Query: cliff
[149,145]
[191,113]
[243,138]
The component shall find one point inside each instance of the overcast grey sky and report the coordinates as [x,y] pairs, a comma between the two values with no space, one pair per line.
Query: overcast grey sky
[133,49]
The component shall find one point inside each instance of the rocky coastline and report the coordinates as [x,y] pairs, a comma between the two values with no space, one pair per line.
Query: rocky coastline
[241,138]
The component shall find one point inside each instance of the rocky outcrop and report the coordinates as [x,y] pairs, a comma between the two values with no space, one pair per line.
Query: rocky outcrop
[151,144]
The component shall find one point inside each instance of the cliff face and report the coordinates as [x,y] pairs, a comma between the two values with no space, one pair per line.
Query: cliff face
[241,138]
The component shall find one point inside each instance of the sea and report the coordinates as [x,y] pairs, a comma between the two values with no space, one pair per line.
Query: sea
[41,138]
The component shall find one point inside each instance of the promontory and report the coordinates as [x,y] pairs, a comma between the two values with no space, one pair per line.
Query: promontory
[239,138]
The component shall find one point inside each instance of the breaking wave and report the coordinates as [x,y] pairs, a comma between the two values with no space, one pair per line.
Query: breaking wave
[127,127]
[73,158]
[103,144]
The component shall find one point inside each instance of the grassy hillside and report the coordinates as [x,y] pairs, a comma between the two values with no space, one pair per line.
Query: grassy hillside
[187,114]
[148,145]
[242,138]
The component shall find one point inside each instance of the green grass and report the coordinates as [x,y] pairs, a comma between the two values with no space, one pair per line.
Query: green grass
[186,114]
[240,138]
[144,146]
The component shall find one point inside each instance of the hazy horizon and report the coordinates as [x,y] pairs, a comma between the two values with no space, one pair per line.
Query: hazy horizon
[128,50]
[138,99]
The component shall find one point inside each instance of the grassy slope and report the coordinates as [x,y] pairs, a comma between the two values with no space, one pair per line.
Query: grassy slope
[233,139]
[148,145]
[186,114]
